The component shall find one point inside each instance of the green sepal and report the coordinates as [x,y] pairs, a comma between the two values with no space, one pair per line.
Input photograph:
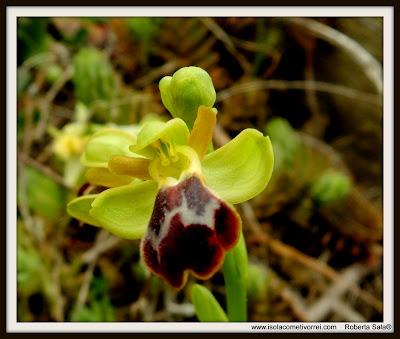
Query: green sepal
[125,211]
[240,169]
[79,209]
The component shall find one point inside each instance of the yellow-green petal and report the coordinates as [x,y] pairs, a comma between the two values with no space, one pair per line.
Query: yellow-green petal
[174,131]
[241,169]
[125,211]
[105,144]
[79,209]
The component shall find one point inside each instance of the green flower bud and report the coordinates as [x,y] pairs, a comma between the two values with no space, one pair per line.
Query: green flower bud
[285,142]
[93,76]
[53,73]
[330,187]
[184,92]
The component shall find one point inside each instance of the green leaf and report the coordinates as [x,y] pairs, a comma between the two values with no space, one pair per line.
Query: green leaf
[235,270]
[105,144]
[42,194]
[79,208]
[30,269]
[241,169]
[174,131]
[207,307]
[33,37]
[125,211]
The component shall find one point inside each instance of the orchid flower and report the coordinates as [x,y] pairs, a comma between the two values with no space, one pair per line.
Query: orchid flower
[165,186]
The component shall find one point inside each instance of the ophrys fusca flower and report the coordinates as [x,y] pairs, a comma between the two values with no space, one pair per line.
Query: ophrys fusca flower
[166,187]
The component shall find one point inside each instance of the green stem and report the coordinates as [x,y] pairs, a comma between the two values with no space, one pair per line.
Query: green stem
[235,275]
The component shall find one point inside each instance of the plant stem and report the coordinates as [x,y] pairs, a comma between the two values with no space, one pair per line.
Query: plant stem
[235,270]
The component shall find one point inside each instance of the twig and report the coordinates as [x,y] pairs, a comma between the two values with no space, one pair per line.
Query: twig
[48,99]
[156,73]
[84,290]
[35,60]
[298,256]
[183,309]
[283,249]
[323,306]
[328,151]
[26,159]
[145,306]
[287,251]
[371,67]
[220,137]
[283,85]
[90,257]
[139,306]
[23,204]
[252,46]
[57,296]
[316,125]
[100,247]
[299,308]
[45,154]
[221,35]
[295,301]
[348,313]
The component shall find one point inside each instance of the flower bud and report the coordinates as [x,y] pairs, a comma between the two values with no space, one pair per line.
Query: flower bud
[93,76]
[285,142]
[330,187]
[53,73]
[184,92]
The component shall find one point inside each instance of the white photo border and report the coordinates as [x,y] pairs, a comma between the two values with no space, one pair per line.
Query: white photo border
[13,12]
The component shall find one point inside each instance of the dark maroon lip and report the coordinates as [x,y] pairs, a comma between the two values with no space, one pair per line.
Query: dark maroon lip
[189,231]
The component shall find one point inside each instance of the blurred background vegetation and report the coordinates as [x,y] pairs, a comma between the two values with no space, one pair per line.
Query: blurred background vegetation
[314,236]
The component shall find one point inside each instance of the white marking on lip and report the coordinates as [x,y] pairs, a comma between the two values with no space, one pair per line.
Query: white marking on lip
[188,217]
